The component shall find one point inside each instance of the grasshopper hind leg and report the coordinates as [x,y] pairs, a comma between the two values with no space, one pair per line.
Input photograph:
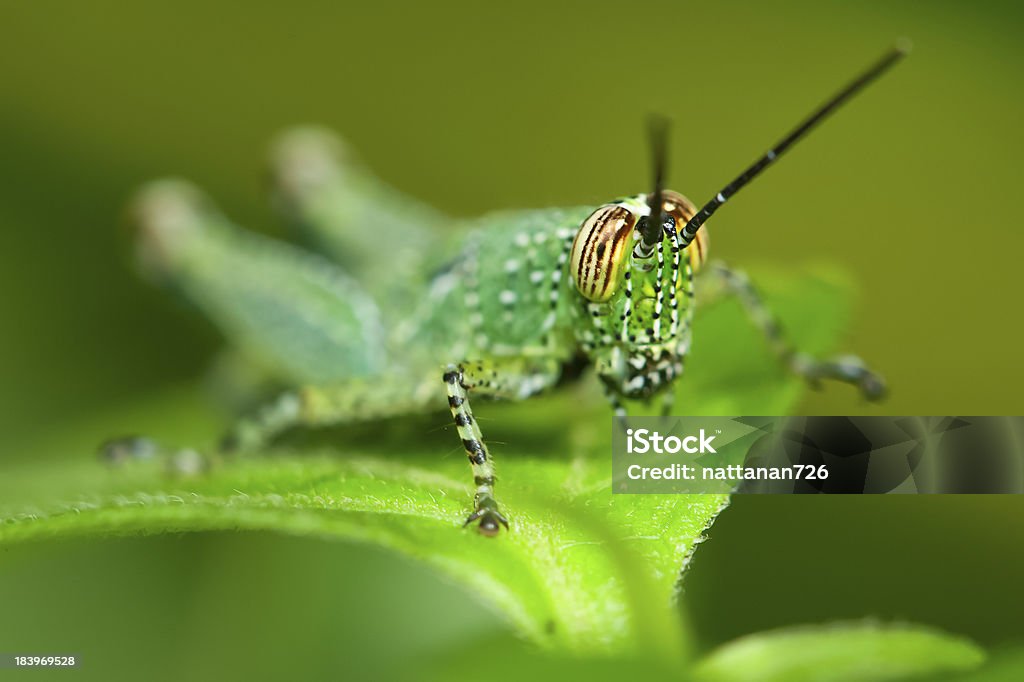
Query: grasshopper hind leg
[339,207]
[346,402]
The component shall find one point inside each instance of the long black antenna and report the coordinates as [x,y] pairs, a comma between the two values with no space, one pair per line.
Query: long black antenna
[881,66]
[650,228]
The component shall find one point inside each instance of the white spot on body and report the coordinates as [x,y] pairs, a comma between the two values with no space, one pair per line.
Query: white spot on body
[537,276]
[507,297]
[636,383]
[721,199]
[511,265]
[522,239]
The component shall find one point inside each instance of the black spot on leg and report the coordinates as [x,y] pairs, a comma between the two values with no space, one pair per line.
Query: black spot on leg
[450,377]
[462,419]
[454,401]
[474,450]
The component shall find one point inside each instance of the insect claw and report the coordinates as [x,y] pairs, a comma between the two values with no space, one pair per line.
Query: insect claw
[873,387]
[489,521]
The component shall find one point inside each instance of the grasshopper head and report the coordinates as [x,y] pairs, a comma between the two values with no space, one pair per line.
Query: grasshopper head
[635,282]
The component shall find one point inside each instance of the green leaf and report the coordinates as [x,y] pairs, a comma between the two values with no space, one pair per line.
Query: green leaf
[858,652]
[1003,665]
[581,571]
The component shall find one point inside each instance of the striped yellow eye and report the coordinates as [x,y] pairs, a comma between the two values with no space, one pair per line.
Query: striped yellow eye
[600,250]
[698,249]
[682,209]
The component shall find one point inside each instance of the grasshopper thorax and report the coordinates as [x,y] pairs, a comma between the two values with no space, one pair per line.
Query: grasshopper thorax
[634,307]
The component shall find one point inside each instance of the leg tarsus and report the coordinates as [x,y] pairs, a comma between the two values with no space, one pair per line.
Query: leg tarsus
[178,462]
[847,368]
[117,451]
[487,514]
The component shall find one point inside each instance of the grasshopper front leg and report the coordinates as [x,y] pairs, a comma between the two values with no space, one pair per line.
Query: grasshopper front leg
[512,378]
[485,507]
[848,368]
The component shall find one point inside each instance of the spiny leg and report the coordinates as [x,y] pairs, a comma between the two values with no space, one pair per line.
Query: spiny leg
[485,508]
[848,368]
[511,378]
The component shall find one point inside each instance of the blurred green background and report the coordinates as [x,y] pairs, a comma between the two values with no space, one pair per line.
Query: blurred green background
[473,107]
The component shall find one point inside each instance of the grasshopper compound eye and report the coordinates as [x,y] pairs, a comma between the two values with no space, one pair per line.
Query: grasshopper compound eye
[599,251]
[682,210]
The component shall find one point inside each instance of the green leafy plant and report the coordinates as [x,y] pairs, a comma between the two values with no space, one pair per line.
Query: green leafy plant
[583,572]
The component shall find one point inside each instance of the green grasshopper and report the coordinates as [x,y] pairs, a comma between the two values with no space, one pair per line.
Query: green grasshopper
[398,303]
